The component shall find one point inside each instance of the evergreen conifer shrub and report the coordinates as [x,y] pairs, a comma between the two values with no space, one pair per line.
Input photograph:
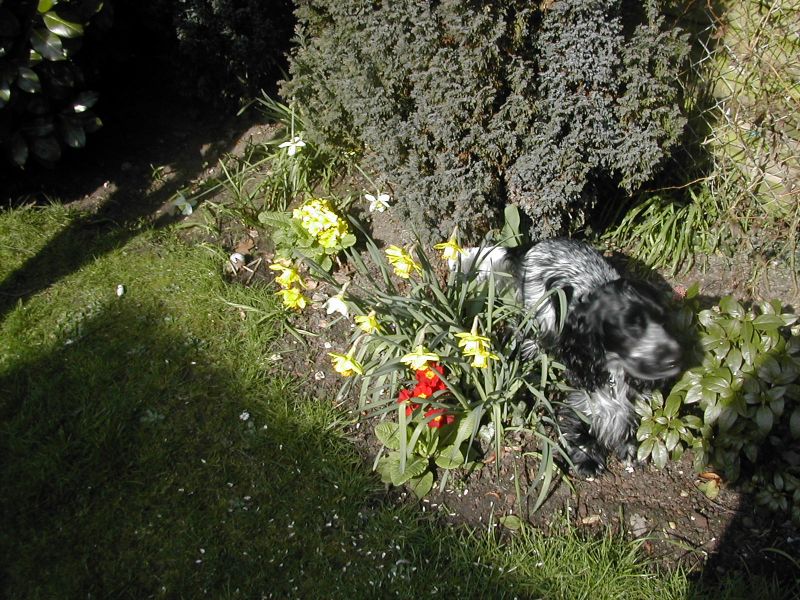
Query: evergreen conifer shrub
[466,105]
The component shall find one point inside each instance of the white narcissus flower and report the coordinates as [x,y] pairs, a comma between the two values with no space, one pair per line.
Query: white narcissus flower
[336,304]
[182,205]
[379,203]
[293,146]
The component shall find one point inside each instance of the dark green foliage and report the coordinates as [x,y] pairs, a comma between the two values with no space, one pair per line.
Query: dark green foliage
[43,103]
[232,48]
[465,106]
[214,50]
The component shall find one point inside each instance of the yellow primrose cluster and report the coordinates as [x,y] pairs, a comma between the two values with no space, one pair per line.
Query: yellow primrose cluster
[318,219]
[291,294]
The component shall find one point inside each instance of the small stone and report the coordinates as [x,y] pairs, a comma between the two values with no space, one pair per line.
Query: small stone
[638,525]
[591,520]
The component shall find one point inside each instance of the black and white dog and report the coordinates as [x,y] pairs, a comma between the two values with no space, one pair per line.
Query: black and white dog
[614,342]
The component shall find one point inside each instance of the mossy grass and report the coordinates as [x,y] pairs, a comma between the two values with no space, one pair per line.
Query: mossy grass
[151,446]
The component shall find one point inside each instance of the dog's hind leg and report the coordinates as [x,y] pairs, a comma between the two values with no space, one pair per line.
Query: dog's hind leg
[587,454]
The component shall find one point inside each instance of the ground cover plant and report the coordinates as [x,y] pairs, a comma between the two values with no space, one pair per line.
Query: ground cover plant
[151,448]
[739,410]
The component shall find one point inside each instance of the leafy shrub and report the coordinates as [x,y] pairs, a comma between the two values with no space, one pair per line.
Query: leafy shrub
[217,50]
[410,321]
[464,106]
[740,409]
[43,105]
[232,47]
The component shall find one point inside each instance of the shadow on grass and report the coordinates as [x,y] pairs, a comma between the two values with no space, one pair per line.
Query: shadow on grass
[148,150]
[134,467]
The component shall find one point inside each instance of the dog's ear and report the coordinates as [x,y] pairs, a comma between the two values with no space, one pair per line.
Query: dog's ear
[581,350]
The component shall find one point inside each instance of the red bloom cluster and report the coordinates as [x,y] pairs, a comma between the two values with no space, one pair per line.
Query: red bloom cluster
[428,383]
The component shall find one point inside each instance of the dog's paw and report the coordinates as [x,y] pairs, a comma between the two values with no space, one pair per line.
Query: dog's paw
[627,454]
[587,463]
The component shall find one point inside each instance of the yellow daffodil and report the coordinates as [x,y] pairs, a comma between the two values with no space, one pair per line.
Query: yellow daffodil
[368,323]
[403,263]
[345,364]
[476,346]
[450,249]
[480,359]
[293,298]
[419,358]
[288,275]
[472,342]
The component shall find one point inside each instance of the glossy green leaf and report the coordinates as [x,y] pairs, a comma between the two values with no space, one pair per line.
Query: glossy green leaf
[45,5]
[730,306]
[672,405]
[19,150]
[420,486]
[659,454]
[694,394]
[48,45]
[73,134]
[794,423]
[645,449]
[61,27]
[734,360]
[764,419]
[414,468]
[672,439]
[769,369]
[28,80]
[85,101]
[715,384]
[46,149]
[768,322]
[711,414]
[727,417]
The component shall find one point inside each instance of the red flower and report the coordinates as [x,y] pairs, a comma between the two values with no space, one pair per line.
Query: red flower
[440,418]
[422,390]
[430,376]
[405,397]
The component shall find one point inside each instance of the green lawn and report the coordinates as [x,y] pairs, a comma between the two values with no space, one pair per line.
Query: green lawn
[150,447]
